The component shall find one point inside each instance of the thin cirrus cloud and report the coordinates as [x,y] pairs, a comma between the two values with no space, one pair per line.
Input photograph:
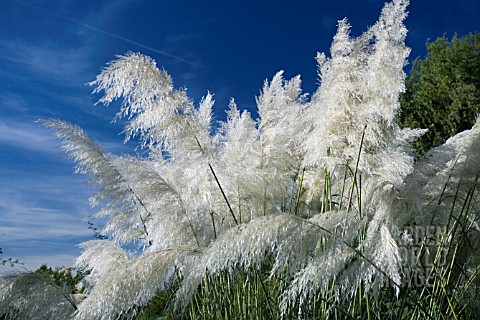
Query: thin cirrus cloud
[39,223]
[24,135]
[14,102]
[42,216]
[46,60]
[42,205]
[110,34]
[22,132]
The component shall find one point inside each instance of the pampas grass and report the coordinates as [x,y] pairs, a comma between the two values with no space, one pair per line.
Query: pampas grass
[308,211]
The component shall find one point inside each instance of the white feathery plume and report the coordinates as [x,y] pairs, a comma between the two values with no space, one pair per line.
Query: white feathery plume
[335,235]
[245,245]
[444,177]
[280,132]
[166,220]
[101,258]
[356,104]
[238,161]
[288,239]
[122,204]
[131,284]
[442,191]
[160,115]
[353,115]
[137,200]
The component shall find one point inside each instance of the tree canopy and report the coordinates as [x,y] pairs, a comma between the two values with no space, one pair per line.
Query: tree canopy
[443,90]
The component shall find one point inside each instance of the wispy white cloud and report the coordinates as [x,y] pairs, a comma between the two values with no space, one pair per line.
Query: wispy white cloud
[31,136]
[46,59]
[43,197]
[37,223]
[109,34]
[42,207]
[41,216]
[13,103]
[23,135]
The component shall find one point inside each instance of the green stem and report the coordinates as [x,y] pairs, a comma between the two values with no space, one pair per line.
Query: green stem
[354,182]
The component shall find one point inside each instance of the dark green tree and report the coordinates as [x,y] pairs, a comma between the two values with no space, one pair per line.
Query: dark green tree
[443,90]
[67,278]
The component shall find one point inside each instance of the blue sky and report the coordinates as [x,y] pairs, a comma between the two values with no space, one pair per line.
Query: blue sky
[49,50]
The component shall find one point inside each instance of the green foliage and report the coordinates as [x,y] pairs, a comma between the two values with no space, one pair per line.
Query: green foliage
[441,291]
[443,90]
[241,294]
[63,277]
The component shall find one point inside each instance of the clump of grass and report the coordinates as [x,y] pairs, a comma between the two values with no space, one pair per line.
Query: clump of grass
[301,213]
[439,283]
[439,279]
